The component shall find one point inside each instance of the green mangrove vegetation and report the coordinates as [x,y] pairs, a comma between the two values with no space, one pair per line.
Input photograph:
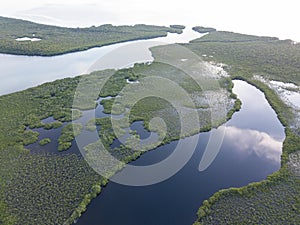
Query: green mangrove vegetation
[156,106]
[65,184]
[248,55]
[276,199]
[56,185]
[180,27]
[29,182]
[54,125]
[203,30]
[44,141]
[68,134]
[60,40]
[29,137]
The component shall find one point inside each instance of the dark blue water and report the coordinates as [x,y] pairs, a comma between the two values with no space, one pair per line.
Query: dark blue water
[250,151]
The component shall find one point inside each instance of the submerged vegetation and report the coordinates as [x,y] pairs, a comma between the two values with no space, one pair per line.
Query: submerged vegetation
[276,199]
[60,40]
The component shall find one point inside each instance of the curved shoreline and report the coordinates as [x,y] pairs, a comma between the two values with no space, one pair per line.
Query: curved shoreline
[280,108]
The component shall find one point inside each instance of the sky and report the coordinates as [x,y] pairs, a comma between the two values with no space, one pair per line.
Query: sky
[259,17]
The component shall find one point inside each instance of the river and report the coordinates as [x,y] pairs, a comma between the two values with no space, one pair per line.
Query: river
[22,72]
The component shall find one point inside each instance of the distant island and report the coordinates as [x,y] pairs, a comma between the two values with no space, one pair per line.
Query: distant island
[203,30]
[20,37]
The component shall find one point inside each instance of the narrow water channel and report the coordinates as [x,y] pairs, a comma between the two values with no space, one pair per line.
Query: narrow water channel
[250,152]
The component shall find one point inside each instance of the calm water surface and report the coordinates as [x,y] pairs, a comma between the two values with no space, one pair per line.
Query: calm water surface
[250,152]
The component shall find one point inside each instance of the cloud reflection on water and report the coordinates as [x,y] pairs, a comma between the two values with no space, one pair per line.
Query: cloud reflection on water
[253,142]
